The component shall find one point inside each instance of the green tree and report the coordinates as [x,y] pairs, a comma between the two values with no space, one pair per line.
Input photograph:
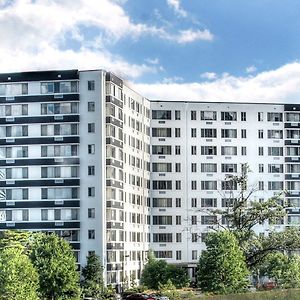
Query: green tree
[222,268]
[54,260]
[284,270]
[18,277]
[242,214]
[159,272]
[92,283]
[16,239]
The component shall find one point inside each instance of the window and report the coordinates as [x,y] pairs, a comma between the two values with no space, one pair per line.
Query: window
[208,133]
[261,168]
[228,116]
[177,132]
[208,220]
[178,238]
[208,202]
[293,117]
[14,89]
[194,202]
[229,150]
[177,150]
[293,134]
[178,255]
[178,202]
[91,234]
[91,85]
[194,184]
[91,170]
[275,134]
[161,132]
[194,220]
[193,132]
[59,87]
[260,116]
[243,133]
[161,114]
[208,185]
[194,150]
[194,237]
[244,150]
[260,151]
[208,167]
[229,185]
[194,255]
[91,127]
[91,149]
[178,185]
[162,220]
[91,192]
[209,115]
[243,116]
[229,168]
[193,115]
[178,220]
[229,133]
[275,185]
[91,106]
[177,114]
[293,168]
[91,213]
[208,150]
[162,238]
[275,168]
[261,185]
[163,254]
[275,117]
[161,150]
[162,184]
[161,167]
[275,151]
[162,202]
[177,167]
[260,133]
[193,167]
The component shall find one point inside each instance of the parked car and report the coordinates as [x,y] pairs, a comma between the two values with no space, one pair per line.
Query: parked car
[159,297]
[138,296]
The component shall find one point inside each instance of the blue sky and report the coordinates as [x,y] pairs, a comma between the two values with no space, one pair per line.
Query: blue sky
[219,50]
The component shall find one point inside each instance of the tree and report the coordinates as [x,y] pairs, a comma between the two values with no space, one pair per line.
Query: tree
[242,215]
[16,239]
[222,268]
[54,260]
[159,272]
[284,270]
[92,283]
[18,277]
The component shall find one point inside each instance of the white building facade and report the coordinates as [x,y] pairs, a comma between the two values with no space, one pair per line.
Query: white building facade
[86,157]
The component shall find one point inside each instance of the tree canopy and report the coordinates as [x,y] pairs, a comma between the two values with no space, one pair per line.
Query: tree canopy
[55,262]
[222,268]
[18,277]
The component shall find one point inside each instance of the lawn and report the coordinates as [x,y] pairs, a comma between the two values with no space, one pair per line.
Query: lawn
[292,294]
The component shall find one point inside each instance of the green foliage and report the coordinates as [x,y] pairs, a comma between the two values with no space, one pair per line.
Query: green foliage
[222,268]
[92,283]
[16,239]
[169,289]
[109,293]
[18,277]
[159,272]
[54,260]
[284,270]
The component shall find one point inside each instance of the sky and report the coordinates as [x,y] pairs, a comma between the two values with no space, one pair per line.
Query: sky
[189,50]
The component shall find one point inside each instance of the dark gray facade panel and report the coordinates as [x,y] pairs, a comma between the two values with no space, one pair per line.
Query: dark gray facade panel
[37,204]
[40,98]
[37,162]
[39,119]
[40,76]
[40,225]
[43,183]
[113,78]
[40,140]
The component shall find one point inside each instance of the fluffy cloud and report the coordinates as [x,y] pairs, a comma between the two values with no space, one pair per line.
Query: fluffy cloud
[175,5]
[209,75]
[280,85]
[37,34]
[251,69]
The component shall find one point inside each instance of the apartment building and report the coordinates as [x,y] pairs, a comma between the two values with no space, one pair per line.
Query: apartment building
[86,157]
[195,147]
[74,156]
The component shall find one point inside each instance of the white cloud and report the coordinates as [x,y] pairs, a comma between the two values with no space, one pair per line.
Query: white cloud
[251,69]
[209,75]
[189,35]
[173,79]
[176,6]
[152,61]
[36,34]
[280,85]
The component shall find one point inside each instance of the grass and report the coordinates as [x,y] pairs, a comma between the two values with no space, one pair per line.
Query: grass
[292,294]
